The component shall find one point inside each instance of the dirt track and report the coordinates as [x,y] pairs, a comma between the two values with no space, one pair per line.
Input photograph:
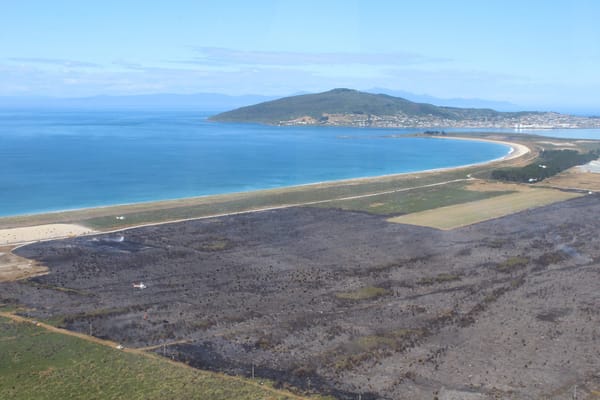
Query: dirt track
[345,302]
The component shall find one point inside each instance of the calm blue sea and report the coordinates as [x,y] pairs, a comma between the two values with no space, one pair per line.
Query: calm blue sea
[57,160]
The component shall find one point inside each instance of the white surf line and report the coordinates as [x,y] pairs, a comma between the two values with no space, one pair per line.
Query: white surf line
[256,210]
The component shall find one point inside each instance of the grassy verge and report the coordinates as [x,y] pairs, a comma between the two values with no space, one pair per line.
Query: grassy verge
[38,364]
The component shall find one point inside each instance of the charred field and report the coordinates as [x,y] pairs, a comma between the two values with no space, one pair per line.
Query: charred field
[345,302]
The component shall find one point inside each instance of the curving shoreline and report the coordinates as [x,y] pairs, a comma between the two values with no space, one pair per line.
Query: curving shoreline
[44,226]
[517,150]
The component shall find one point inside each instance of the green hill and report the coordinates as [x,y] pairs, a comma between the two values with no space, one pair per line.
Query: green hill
[317,109]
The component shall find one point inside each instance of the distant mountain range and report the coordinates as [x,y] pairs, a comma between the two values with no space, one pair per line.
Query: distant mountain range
[347,107]
[199,101]
[215,102]
[454,102]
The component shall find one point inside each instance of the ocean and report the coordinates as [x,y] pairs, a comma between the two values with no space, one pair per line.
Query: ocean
[60,160]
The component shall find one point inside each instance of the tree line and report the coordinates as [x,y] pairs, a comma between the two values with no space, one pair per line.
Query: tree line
[549,163]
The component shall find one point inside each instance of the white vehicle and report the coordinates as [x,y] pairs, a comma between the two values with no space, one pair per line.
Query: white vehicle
[140,286]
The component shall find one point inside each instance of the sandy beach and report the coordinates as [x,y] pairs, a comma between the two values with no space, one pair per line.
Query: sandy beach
[517,149]
[14,236]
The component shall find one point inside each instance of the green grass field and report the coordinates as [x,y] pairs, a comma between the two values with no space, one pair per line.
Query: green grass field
[463,214]
[414,200]
[38,364]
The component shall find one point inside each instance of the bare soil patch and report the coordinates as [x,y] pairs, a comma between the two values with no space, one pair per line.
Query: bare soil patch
[13,267]
[574,178]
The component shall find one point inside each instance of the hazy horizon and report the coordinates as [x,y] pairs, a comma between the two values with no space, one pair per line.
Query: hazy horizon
[217,102]
[537,55]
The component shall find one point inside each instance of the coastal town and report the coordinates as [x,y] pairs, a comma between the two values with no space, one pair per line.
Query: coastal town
[518,121]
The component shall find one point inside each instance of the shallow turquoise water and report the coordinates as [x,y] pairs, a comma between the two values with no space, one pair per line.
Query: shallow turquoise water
[57,160]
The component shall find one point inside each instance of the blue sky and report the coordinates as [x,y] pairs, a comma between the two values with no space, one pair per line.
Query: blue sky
[534,53]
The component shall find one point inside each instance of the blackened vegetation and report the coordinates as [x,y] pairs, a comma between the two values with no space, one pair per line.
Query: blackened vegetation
[204,356]
[344,303]
[549,163]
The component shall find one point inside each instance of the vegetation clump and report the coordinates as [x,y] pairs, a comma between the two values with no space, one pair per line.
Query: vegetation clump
[374,347]
[554,257]
[549,163]
[214,245]
[512,264]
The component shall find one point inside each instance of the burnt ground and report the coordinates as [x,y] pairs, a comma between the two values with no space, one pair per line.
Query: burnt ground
[344,302]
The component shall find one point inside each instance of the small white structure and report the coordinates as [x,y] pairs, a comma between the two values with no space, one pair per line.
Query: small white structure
[120,217]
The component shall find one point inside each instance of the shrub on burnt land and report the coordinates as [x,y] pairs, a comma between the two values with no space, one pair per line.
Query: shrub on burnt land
[551,258]
[512,264]
[350,354]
